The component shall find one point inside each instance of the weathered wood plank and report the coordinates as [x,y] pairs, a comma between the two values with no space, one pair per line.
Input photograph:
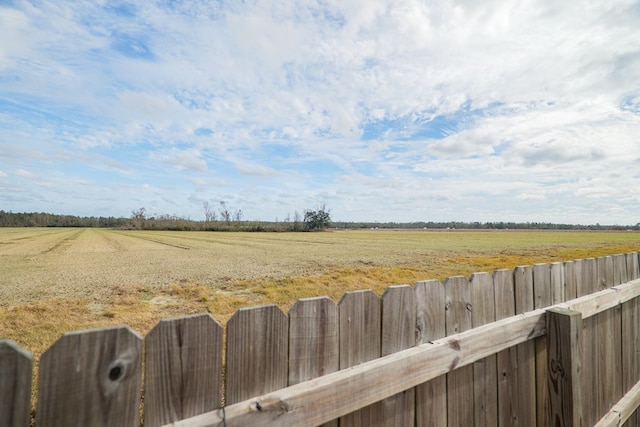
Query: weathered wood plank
[571,280]
[398,333]
[631,260]
[590,305]
[507,360]
[564,332]
[313,340]
[632,265]
[325,398]
[431,397]
[526,353]
[619,269]
[257,352]
[557,283]
[359,325]
[16,367]
[590,367]
[609,275]
[630,337]
[622,410]
[183,369]
[459,382]
[91,378]
[485,381]
[604,266]
[542,291]
[608,356]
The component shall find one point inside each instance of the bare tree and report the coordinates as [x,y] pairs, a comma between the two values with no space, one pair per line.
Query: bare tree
[209,213]
[225,212]
[296,221]
[138,218]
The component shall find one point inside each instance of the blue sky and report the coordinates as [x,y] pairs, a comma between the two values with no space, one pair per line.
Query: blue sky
[398,110]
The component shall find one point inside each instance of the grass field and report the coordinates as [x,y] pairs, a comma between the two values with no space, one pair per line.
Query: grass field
[57,280]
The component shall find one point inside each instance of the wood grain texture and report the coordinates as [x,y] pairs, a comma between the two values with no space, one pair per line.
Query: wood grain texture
[590,367]
[557,282]
[619,269]
[507,362]
[542,291]
[564,332]
[91,378]
[431,397]
[623,409]
[313,340]
[630,338]
[398,333]
[183,369]
[257,346]
[604,267]
[608,354]
[632,265]
[570,280]
[526,352]
[606,377]
[360,333]
[485,380]
[325,398]
[460,411]
[16,367]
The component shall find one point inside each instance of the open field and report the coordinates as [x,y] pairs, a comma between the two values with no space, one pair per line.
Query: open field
[56,280]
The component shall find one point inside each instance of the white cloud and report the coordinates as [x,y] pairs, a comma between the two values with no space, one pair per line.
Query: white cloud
[442,107]
[184,160]
[23,173]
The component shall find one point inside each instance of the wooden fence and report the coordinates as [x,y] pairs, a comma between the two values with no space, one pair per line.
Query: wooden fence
[551,344]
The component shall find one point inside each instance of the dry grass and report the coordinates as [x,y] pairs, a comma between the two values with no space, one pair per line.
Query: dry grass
[57,280]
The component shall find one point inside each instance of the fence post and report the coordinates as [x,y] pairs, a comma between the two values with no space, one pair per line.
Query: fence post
[564,357]
[15,384]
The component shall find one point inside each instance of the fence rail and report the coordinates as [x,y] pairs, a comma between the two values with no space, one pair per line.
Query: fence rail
[549,344]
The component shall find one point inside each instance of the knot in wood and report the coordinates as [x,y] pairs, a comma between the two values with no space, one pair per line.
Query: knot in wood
[556,368]
[116,372]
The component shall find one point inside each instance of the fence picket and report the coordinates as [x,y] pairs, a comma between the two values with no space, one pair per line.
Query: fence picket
[183,369]
[398,333]
[619,269]
[359,314]
[91,378]
[630,329]
[16,366]
[557,282]
[526,352]
[543,298]
[257,345]
[313,340]
[570,280]
[590,366]
[459,382]
[506,360]
[431,397]
[632,265]
[609,336]
[485,381]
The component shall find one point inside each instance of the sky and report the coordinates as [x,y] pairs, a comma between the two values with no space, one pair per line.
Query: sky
[380,110]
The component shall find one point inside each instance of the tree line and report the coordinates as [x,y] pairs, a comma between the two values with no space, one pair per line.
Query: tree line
[225,218]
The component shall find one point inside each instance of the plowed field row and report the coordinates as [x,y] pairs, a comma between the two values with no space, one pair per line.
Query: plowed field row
[56,280]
